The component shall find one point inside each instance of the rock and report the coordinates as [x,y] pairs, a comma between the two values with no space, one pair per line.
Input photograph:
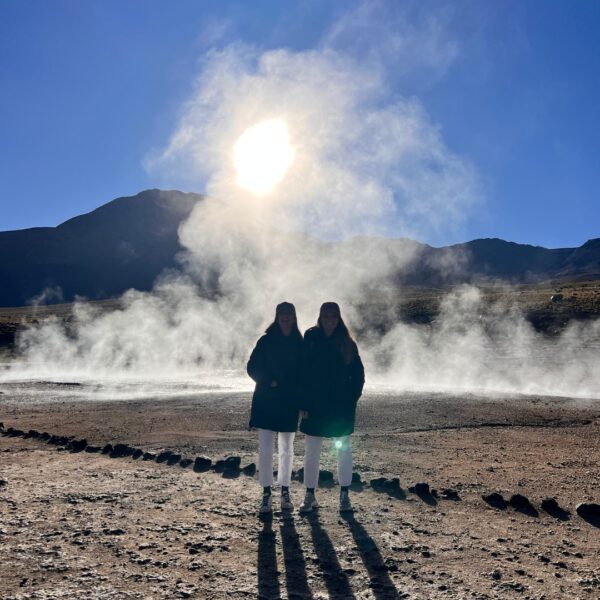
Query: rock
[32,433]
[249,470]
[421,489]
[450,494]
[148,456]
[522,504]
[15,432]
[202,464]
[173,459]
[378,483]
[219,466]
[325,477]
[113,531]
[589,512]
[185,462]
[137,453]
[93,449]
[78,445]
[163,456]
[44,436]
[3,483]
[496,500]
[551,506]
[300,474]
[496,575]
[107,449]
[356,477]
[122,451]
[232,462]
[1,426]
[392,485]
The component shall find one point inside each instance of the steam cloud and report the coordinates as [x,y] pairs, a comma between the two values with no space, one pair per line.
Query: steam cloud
[368,164]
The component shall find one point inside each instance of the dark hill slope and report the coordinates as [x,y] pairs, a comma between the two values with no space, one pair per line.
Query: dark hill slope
[129,241]
[125,243]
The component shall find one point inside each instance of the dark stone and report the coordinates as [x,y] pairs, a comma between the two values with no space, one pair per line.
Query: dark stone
[496,500]
[1,426]
[300,474]
[249,470]
[522,504]
[78,445]
[93,449]
[378,484]
[202,464]
[233,462]
[185,462]
[121,451]
[149,456]
[107,449]
[44,436]
[32,433]
[163,456]
[356,477]
[325,478]
[219,466]
[113,531]
[137,453]
[450,494]
[551,506]
[173,459]
[15,432]
[589,512]
[3,483]
[421,489]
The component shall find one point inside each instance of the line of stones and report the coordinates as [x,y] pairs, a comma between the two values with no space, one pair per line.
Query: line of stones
[228,467]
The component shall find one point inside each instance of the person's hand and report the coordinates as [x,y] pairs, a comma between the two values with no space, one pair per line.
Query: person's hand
[304,414]
[273,383]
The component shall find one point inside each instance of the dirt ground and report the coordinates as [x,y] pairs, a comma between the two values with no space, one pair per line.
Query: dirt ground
[85,525]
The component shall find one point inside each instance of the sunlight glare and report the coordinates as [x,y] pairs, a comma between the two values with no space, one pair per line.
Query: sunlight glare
[262,155]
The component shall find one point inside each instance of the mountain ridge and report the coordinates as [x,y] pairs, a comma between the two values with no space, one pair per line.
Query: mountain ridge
[127,242]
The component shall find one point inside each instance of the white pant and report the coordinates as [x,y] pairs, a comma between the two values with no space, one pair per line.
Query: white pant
[266,441]
[312,459]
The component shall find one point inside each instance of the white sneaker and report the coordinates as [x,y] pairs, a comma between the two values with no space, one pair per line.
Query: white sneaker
[309,503]
[286,501]
[345,504]
[266,504]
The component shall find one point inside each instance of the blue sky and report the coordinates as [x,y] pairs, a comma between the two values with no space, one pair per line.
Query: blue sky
[89,89]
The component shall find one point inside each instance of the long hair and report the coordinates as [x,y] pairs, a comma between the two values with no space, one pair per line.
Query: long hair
[275,329]
[341,338]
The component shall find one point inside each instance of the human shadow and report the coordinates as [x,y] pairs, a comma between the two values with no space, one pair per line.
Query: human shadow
[381,583]
[296,580]
[336,580]
[268,577]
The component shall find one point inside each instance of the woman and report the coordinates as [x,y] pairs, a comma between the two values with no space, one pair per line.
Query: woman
[333,381]
[275,367]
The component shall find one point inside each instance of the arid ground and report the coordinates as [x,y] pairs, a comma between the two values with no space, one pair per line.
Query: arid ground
[80,524]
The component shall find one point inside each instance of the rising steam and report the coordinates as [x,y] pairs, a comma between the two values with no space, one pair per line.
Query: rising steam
[366,163]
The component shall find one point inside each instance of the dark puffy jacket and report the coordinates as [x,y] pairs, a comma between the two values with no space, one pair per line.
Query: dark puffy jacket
[331,387]
[276,358]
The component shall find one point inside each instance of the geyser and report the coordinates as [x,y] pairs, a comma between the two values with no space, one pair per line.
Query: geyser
[262,155]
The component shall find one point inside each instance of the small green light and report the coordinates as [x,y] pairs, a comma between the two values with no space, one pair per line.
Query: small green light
[338,444]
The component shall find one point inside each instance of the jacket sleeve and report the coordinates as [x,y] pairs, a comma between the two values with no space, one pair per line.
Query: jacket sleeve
[357,376]
[257,366]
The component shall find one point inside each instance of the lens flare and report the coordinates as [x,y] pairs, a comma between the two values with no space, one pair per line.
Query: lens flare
[262,155]
[338,444]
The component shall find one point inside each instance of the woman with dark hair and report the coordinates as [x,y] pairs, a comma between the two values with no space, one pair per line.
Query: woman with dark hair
[333,377]
[275,367]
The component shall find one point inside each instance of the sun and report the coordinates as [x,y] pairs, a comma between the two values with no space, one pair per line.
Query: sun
[262,155]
